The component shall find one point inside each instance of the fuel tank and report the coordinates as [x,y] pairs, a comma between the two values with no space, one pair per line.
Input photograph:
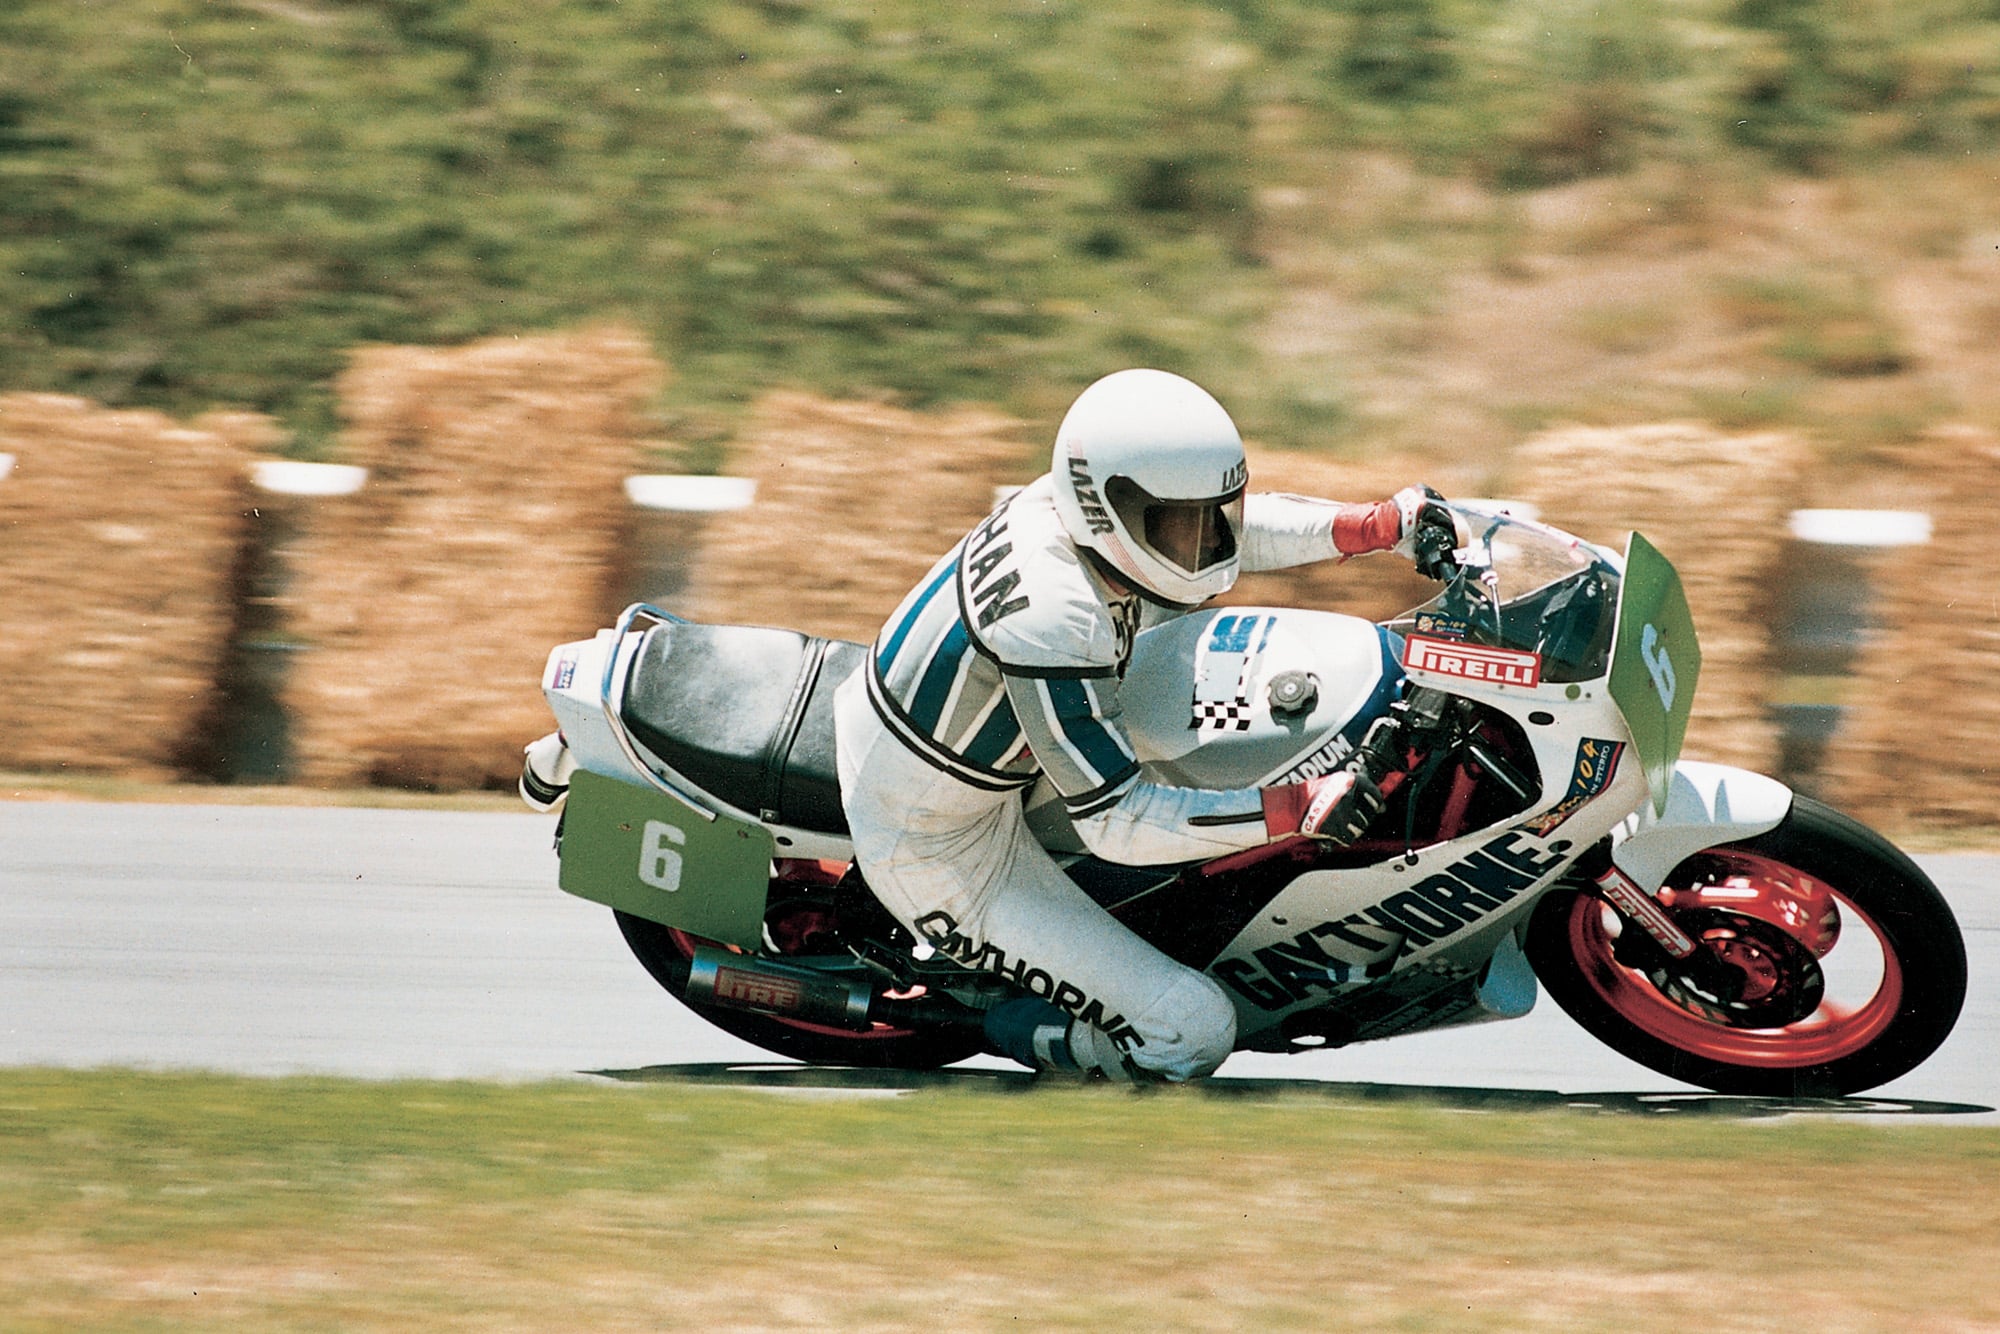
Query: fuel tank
[1248,696]
[1243,697]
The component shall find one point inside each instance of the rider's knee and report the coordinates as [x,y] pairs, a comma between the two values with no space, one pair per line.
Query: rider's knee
[1188,1032]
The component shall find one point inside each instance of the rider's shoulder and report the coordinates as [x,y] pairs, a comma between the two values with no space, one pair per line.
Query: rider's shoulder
[1028,600]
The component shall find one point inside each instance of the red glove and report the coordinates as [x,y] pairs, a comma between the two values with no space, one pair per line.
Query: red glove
[1413,522]
[1337,807]
[1359,529]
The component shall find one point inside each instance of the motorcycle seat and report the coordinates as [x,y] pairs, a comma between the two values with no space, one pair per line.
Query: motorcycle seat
[746,714]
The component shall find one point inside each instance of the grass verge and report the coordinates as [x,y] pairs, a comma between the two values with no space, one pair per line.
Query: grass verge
[181,1201]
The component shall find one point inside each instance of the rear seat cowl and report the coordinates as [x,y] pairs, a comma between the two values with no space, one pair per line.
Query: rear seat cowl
[746,714]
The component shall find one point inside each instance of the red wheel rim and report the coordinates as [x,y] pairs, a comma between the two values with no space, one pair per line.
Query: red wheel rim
[1864,989]
[688,944]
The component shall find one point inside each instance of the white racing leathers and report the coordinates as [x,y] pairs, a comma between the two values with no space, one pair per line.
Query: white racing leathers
[1002,665]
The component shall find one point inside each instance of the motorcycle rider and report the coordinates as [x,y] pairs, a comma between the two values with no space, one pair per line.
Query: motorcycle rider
[1004,664]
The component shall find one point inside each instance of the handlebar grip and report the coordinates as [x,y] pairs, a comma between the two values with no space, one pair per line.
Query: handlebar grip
[1433,548]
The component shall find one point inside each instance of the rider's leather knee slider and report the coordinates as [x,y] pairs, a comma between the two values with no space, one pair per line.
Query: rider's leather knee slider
[1188,1032]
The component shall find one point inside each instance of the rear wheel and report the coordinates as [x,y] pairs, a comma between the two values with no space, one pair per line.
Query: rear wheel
[803,920]
[1846,967]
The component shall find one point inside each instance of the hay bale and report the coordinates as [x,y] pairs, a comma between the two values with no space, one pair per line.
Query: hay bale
[122,533]
[490,529]
[854,502]
[1716,505]
[1922,728]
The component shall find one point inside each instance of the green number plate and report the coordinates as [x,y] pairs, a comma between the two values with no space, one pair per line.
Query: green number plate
[645,853]
[1655,662]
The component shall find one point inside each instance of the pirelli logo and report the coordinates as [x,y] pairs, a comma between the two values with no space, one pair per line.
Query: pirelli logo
[1472,662]
[757,991]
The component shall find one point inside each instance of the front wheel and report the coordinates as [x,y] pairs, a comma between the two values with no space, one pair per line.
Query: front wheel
[1849,967]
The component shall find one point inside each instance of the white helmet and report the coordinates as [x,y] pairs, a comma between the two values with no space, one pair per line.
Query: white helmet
[1149,475]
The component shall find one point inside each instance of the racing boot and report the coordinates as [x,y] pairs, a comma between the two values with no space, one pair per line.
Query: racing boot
[545,772]
[1043,1038]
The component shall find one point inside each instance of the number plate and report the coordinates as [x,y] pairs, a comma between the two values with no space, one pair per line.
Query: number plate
[1655,662]
[642,852]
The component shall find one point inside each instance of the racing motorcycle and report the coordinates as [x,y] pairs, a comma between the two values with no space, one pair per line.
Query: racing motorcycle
[1540,831]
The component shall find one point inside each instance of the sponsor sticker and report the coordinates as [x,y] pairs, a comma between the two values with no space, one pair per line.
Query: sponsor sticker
[1365,945]
[1450,627]
[774,995]
[564,673]
[1596,762]
[1322,761]
[1472,662]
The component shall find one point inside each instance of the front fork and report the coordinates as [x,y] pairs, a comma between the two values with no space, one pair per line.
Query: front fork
[1651,941]
[1638,909]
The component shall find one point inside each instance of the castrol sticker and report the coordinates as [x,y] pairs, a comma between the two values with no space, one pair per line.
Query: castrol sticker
[1472,662]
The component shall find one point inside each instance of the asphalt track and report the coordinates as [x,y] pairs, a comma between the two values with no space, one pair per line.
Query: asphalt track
[385,943]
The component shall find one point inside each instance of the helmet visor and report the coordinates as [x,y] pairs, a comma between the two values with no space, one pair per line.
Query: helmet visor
[1191,535]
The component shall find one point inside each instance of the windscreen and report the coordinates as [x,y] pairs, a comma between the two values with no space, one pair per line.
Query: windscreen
[1531,588]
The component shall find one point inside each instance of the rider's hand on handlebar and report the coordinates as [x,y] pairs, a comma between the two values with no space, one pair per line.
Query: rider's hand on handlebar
[1337,807]
[1413,522]
[1429,534]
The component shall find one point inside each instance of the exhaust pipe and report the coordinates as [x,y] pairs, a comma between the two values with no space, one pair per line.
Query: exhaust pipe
[765,986]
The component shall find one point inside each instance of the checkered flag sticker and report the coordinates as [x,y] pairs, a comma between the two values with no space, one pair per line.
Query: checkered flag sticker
[1224,669]
[1222,715]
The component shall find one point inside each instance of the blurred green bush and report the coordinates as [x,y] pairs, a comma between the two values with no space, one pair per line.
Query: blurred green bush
[213,201]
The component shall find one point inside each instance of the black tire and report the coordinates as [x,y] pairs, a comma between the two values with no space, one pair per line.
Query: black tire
[665,952]
[1835,1051]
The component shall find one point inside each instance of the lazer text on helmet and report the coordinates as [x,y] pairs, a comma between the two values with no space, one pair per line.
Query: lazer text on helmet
[1094,512]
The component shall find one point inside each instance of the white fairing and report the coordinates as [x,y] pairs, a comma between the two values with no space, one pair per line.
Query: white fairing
[570,684]
[1708,805]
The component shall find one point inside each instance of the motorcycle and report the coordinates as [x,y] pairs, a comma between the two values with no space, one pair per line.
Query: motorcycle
[1540,831]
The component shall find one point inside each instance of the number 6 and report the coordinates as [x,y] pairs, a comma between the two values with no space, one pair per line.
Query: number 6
[1658,666]
[659,864]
